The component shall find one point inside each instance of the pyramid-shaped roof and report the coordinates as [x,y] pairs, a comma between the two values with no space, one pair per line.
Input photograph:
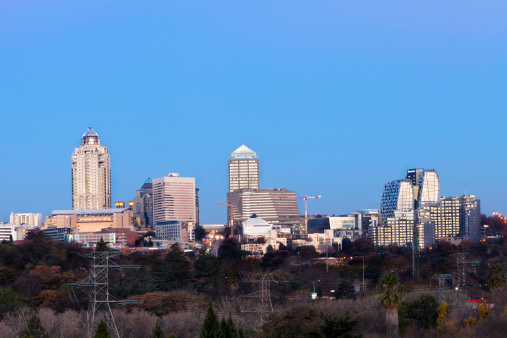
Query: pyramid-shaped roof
[243,153]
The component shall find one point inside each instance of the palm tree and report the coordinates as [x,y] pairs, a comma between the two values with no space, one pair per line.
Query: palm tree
[389,290]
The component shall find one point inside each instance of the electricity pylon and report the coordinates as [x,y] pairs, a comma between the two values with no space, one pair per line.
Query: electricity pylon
[263,293]
[442,280]
[99,299]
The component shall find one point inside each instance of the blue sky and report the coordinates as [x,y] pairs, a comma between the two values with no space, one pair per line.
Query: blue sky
[335,97]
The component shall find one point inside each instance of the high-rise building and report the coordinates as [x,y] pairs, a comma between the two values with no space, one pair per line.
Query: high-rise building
[429,188]
[174,199]
[143,203]
[243,169]
[32,219]
[91,174]
[396,195]
[275,206]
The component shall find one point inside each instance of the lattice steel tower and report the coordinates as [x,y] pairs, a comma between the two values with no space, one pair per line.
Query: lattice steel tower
[263,294]
[99,297]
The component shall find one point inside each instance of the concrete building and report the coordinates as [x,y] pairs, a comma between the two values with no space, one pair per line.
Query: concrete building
[256,227]
[90,239]
[271,239]
[10,231]
[359,220]
[143,203]
[174,199]
[32,219]
[173,231]
[90,220]
[91,174]
[276,206]
[319,240]
[243,169]
[64,235]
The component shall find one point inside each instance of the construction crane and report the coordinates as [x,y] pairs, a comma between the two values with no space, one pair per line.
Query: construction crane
[305,198]
[231,217]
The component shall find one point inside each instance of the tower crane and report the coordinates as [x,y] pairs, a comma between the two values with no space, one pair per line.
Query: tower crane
[305,198]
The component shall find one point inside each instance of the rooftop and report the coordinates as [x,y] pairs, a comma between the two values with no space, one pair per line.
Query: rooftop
[88,212]
[90,137]
[243,153]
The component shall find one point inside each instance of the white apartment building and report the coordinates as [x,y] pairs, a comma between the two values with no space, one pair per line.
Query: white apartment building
[32,219]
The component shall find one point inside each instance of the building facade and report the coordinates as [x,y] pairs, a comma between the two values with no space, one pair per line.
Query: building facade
[90,220]
[143,203]
[91,174]
[174,199]
[32,219]
[243,169]
[396,195]
[275,206]
[173,231]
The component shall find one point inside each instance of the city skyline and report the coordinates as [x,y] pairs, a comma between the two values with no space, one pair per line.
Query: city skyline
[335,98]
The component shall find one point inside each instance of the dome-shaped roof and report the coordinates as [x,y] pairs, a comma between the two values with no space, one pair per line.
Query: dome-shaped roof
[90,137]
[243,153]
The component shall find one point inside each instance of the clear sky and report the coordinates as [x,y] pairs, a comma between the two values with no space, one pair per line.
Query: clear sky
[336,97]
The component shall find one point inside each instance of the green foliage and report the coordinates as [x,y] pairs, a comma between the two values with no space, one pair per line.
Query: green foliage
[230,249]
[172,273]
[270,261]
[9,301]
[180,268]
[101,245]
[35,329]
[102,331]
[339,326]
[389,290]
[199,233]
[423,311]
[345,290]
[211,327]
[496,277]
[157,331]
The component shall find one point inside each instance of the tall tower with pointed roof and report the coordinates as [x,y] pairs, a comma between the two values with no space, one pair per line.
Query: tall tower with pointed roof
[91,174]
[243,169]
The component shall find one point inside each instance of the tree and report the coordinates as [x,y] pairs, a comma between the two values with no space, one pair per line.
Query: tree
[35,329]
[443,321]
[101,245]
[423,311]
[102,331]
[389,290]
[484,312]
[228,328]
[230,249]
[9,301]
[157,331]
[180,267]
[211,326]
[345,290]
[199,233]
[496,277]
[341,326]
[346,245]
[270,261]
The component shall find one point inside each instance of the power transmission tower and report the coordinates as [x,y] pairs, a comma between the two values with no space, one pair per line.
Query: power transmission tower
[99,299]
[461,265]
[263,293]
[442,280]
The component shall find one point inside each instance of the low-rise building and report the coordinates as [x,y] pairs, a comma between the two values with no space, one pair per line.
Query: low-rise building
[256,227]
[90,239]
[173,231]
[64,235]
[90,220]
[320,241]
[271,239]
